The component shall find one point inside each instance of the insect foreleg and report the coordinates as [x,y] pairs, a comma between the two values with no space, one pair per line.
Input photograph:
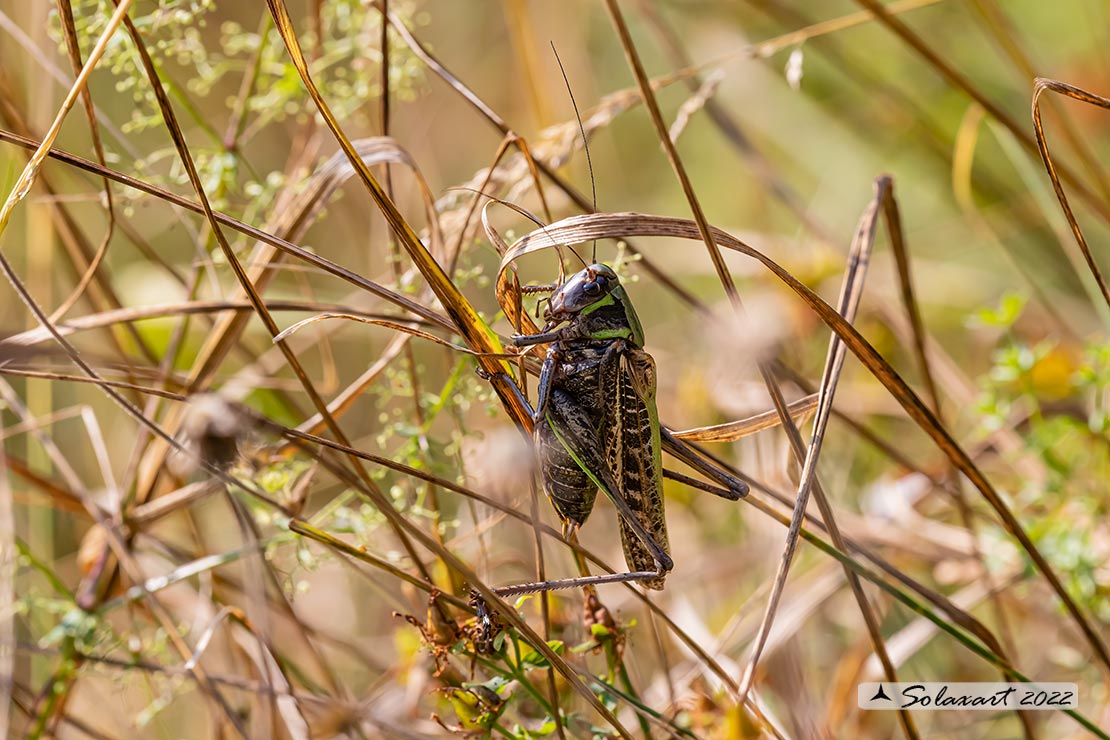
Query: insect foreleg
[566,333]
[547,380]
[527,340]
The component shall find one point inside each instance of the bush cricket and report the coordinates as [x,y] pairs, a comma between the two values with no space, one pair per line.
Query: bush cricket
[596,425]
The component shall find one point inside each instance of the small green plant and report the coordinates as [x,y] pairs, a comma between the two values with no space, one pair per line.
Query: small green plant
[1053,397]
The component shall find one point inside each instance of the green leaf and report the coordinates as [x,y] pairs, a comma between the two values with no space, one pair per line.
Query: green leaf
[1005,314]
[600,631]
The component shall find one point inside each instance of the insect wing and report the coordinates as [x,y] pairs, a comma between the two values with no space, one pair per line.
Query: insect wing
[631,433]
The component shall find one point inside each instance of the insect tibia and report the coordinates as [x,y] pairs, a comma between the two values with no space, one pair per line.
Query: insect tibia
[538,289]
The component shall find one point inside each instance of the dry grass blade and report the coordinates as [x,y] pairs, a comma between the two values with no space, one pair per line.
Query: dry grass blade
[730,127]
[1039,86]
[73,49]
[507,289]
[700,99]
[346,398]
[375,150]
[27,178]
[465,318]
[285,334]
[916,635]
[315,533]
[652,105]
[279,243]
[586,228]
[851,293]
[919,335]
[909,301]
[32,337]
[734,430]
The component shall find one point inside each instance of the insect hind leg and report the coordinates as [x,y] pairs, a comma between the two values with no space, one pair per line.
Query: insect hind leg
[586,581]
[734,488]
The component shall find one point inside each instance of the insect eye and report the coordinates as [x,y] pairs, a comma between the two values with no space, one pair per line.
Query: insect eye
[592,288]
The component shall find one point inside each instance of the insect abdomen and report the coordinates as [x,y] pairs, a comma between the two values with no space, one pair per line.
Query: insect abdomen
[570,490]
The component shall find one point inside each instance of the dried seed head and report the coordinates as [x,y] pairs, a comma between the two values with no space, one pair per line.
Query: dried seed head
[211,430]
[594,612]
[92,550]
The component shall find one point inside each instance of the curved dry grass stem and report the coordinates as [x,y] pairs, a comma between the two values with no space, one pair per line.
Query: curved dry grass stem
[731,431]
[1075,93]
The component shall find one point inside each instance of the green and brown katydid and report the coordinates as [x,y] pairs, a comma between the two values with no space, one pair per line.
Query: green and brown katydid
[596,426]
[595,423]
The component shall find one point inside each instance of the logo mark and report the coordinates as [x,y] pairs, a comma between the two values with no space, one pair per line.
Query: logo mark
[880,694]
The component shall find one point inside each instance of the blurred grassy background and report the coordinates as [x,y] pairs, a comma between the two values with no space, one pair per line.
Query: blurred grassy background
[1016,331]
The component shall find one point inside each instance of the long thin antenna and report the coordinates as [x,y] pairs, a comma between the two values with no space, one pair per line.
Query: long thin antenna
[534,219]
[585,143]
